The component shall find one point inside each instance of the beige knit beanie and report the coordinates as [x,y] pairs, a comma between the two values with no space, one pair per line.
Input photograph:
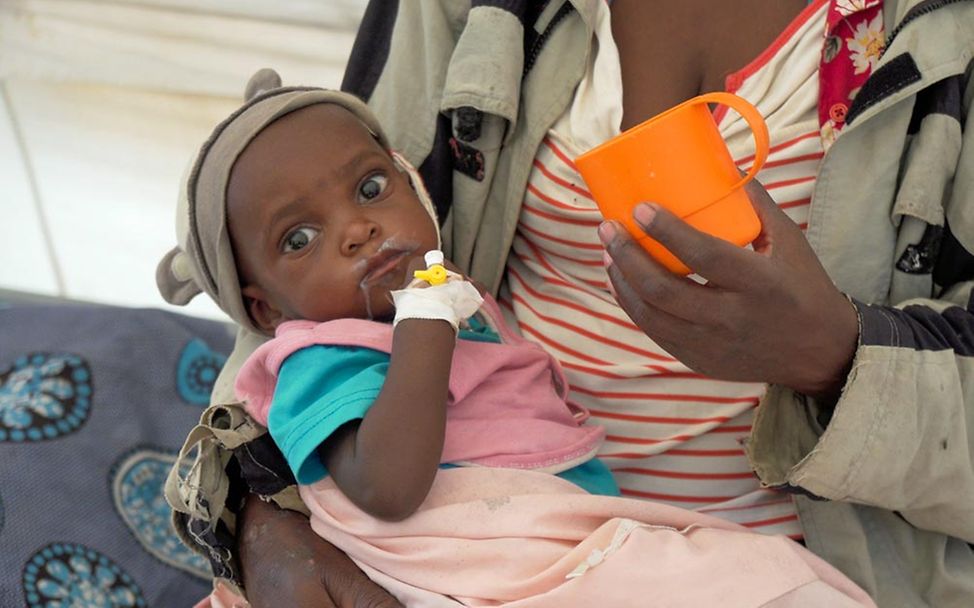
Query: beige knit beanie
[203,259]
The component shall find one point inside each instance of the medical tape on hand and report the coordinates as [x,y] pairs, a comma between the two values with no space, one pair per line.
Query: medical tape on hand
[452,302]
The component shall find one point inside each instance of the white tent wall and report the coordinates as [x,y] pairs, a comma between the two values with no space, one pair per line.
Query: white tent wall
[101,106]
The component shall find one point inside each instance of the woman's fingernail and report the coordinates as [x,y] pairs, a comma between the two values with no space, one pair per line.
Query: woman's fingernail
[644,214]
[607,232]
[606,259]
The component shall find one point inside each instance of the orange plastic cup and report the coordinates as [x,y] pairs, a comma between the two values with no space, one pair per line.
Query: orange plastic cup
[679,160]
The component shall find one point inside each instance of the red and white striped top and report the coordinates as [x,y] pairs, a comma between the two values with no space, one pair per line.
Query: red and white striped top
[673,435]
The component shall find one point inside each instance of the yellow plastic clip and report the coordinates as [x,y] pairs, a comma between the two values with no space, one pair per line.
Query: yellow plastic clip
[435,272]
[434,275]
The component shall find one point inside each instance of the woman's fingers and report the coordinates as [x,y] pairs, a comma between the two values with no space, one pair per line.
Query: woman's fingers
[653,320]
[646,280]
[716,260]
[771,315]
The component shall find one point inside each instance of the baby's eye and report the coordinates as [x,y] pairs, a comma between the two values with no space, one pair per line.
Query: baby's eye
[298,239]
[372,187]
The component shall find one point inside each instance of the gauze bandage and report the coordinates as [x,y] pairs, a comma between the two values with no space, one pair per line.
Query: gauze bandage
[452,298]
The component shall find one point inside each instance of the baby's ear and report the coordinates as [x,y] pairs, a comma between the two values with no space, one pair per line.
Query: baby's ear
[265,315]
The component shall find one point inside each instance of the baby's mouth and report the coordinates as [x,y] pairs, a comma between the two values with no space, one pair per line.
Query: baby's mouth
[381,267]
[383,262]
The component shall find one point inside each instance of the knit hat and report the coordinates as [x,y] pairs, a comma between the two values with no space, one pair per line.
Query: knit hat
[203,260]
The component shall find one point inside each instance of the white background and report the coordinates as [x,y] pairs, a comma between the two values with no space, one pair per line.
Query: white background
[102,105]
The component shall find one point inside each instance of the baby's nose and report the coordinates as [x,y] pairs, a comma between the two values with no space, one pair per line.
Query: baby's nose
[359,233]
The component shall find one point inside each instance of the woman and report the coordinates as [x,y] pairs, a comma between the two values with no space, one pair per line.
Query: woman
[866,407]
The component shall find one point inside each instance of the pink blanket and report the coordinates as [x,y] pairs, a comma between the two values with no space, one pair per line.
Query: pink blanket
[487,537]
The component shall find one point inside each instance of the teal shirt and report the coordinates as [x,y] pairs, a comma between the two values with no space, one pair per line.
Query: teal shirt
[322,387]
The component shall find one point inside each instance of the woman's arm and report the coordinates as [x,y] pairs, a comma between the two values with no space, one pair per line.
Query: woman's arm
[386,463]
[780,316]
[775,312]
[898,435]
[284,563]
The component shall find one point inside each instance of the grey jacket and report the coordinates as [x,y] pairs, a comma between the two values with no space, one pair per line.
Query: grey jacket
[886,474]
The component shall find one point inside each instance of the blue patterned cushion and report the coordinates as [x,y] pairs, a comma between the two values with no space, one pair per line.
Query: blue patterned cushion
[94,403]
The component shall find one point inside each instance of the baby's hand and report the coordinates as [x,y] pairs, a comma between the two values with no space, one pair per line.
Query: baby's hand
[453,268]
[450,297]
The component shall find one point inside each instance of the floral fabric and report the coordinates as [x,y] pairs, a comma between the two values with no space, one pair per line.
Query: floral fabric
[854,42]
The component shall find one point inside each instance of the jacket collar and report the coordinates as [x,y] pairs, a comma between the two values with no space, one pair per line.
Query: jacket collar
[907,66]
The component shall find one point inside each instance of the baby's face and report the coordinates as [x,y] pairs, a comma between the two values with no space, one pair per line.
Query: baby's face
[322,223]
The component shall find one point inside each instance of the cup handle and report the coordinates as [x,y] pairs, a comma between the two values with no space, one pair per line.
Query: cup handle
[754,120]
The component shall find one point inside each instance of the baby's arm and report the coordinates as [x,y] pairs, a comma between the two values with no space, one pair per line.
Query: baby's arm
[386,462]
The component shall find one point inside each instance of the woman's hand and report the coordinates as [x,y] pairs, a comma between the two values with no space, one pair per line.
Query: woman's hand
[285,563]
[768,315]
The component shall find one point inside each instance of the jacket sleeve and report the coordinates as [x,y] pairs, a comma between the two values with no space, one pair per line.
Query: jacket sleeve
[225,457]
[899,435]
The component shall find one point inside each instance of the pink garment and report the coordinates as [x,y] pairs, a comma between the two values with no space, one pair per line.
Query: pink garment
[222,597]
[506,405]
[522,539]
[514,538]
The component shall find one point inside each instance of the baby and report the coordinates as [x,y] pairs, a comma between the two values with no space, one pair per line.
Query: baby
[324,225]
[440,454]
